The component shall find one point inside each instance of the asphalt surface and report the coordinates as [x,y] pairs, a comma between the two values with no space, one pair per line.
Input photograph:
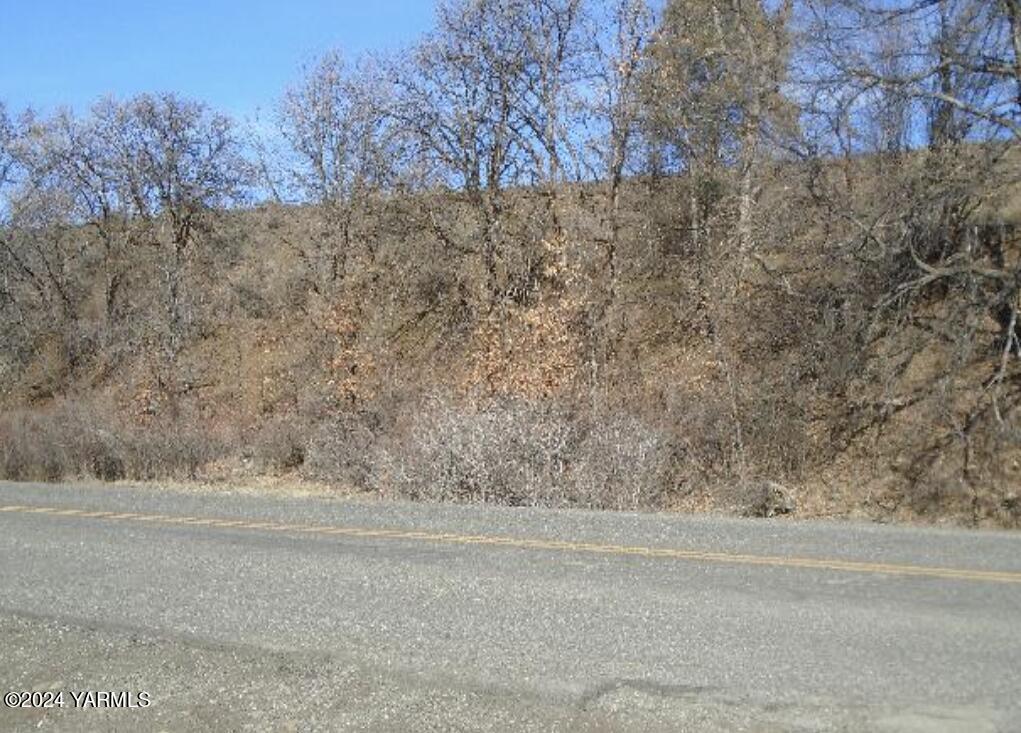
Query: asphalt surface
[241,612]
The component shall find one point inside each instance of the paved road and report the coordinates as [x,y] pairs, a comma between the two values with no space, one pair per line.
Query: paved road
[239,612]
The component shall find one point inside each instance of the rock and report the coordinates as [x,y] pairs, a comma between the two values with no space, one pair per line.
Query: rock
[770,499]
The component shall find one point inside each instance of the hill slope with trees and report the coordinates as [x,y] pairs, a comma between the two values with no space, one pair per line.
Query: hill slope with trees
[726,254]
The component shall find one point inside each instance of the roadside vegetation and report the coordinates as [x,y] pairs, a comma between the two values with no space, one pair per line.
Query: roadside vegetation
[751,256]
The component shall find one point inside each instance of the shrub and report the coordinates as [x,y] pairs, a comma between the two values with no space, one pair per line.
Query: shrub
[82,439]
[521,453]
[27,447]
[170,449]
[67,440]
[621,463]
[339,450]
[280,444]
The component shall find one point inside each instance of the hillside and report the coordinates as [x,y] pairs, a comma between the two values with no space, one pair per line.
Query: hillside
[749,257]
[694,385]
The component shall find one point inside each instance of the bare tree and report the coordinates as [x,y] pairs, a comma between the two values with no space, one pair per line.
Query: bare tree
[174,162]
[927,236]
[14,271]
[33,249]
[956,56]
[557,60]
[134,176]
[621,52]
[892,110]
[74,160]
[458,94]
[7,136]
[714,94]
[335,120]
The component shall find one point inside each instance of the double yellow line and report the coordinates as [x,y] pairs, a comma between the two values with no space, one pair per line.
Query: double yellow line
[988,576]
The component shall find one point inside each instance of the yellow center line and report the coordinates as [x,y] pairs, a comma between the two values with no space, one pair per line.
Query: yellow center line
[293,528]
[852,566]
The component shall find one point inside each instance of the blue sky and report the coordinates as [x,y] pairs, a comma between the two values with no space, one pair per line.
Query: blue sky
[237,55]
